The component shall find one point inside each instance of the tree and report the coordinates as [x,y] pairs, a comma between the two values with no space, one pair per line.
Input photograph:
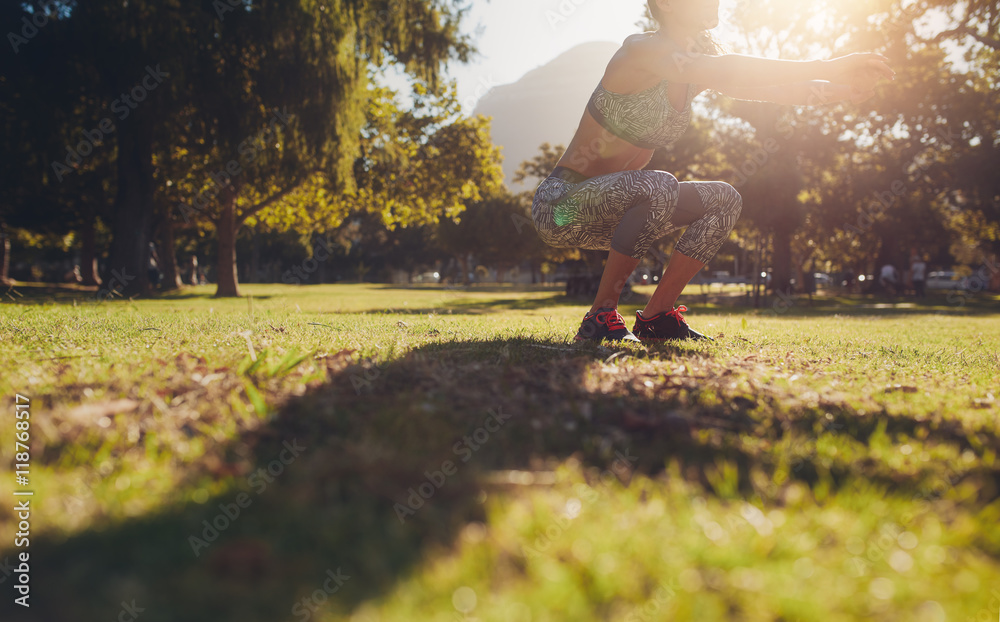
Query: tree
[415,167]
[423,164]
[319,70]
[842,165]
[55,178]
[486,230]
[213,75]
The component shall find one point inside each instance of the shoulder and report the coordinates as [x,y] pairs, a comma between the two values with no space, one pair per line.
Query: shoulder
[658,55]
[637,37]
[649,43]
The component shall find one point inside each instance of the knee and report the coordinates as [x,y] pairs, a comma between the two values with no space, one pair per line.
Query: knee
[731,200]
[666,176]
[720,199]
[667,182]
[654,185]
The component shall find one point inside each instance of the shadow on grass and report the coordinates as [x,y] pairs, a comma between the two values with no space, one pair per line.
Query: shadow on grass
[462,300]
[459,301]
[478,307]
[56,293]
[498,288]
[334,481]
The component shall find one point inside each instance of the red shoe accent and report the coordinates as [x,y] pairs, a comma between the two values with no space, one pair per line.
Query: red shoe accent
[677,313]
[613,322]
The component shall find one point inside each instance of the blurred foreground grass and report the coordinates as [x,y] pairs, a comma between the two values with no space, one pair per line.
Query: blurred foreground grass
[336,452]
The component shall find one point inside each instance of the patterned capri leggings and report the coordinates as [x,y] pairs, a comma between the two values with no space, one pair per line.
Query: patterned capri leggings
[630,210]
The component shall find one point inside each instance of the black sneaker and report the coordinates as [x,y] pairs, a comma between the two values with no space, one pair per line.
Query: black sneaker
[604,324]
[668,325]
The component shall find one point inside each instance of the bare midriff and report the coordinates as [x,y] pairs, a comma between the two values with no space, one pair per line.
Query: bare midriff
[594,150]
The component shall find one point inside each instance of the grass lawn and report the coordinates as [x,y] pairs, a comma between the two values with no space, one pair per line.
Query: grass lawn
[367,452]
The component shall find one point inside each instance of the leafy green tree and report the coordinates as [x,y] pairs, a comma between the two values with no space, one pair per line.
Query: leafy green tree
[50,118]
[486,231]
[415,167]
[210,76]
[423,164]
[314,82]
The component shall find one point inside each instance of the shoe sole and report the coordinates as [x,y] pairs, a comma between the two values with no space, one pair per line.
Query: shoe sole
[661,339]
[602,339]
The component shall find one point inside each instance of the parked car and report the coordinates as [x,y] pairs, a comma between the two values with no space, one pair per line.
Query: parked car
[946,279]
[428,277]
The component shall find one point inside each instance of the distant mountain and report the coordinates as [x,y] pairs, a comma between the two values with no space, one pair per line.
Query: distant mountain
[545,105]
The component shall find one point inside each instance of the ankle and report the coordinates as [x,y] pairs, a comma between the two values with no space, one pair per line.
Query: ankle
[649,312]
[596,308]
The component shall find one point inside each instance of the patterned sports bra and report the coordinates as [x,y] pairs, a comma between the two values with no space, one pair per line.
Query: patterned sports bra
[645,119]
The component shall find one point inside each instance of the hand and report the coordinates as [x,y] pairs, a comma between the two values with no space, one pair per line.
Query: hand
[860,70]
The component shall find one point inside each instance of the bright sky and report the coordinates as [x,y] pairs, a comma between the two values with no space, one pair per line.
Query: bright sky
[519,35]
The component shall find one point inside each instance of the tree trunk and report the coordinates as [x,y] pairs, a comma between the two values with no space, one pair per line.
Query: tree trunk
[759,282]
[782,249]
[255,258]
[4,258]
[128,259]
[168,257]
[225,229]
[463,265]
[88,253]
[994,272]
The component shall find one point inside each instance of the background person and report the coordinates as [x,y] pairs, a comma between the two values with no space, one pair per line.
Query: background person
[889,278]
[918,272]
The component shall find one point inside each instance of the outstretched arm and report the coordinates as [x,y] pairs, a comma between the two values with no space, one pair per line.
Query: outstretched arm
[728,71]
[812,93]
